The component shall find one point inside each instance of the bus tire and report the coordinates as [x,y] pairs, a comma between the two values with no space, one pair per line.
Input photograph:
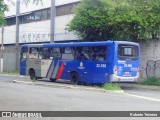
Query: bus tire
[52,79]
[74,78]
[32,74]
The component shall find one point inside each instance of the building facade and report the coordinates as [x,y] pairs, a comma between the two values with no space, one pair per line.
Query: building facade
[46,22]
[31,23]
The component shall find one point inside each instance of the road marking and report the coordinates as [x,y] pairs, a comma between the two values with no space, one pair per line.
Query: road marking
[147,98]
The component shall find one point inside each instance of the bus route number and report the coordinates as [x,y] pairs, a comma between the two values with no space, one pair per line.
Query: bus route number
[101,65]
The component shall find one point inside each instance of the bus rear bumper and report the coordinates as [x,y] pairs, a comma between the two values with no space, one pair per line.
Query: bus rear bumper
[115,78]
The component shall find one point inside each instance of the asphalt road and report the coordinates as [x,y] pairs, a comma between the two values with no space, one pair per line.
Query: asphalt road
[22,97]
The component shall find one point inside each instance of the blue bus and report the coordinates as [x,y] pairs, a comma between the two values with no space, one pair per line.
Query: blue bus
[86,62]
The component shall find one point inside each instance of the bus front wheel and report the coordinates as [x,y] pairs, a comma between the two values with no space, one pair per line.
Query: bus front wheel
[52,79]
[74,78]
[32,74]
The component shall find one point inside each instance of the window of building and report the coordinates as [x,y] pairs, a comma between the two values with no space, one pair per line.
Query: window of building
[36,16]
[11,21]
[27,18]
[48,13]
[44,15]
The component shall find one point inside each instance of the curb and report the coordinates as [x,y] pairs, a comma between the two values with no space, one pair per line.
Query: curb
[138,86]
[68,86]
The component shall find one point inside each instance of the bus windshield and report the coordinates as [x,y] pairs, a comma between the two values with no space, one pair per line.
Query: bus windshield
[129,52]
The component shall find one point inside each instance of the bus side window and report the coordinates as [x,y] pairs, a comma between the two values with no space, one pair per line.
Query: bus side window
[24,53]
[40,53]
[98,53]
[83,53]
[33,52]
[44,53]
[68,53]
[55,53]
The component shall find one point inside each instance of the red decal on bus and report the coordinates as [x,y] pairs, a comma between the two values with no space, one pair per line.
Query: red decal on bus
[60,71]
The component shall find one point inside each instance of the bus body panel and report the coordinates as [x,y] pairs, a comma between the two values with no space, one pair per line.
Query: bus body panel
[23,66]
[85,70]
[89,71]
[127,70]
[45,64]
[34,64]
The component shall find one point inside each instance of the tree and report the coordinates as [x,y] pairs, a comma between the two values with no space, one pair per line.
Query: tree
[116,19]
[4,8]
[33,1]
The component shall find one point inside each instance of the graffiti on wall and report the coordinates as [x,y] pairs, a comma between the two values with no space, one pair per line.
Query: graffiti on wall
[153,68]
[30,37]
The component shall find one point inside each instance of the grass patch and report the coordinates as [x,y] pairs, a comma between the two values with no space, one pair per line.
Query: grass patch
[34,80]
[111,86]
[151,81]
[11,72]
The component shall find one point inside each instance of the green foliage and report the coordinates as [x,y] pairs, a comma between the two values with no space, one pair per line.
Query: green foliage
[111,86]
[34,80]
[33,1]
[116,19]
[151,81]
[3,8]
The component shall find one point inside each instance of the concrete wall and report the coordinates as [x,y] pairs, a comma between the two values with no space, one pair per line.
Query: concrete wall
[150,59]
[9,58]
[34,32]
[60,24]
[10,34]
[12,9]
[62,2]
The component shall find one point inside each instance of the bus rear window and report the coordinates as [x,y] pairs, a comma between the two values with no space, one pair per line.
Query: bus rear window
[127,52]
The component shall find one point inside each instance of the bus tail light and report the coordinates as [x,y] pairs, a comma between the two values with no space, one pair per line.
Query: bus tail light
[115,70]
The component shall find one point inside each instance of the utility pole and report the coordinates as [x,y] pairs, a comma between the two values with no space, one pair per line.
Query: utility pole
[2,48]
[17,34]
[53,15]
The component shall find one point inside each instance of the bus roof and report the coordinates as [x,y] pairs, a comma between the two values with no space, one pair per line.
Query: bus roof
[79,44]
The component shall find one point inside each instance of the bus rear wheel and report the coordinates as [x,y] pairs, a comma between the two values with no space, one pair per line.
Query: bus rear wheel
[74,78]
[32,74]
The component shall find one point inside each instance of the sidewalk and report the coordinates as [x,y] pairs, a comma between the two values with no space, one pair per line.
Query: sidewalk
[14,75]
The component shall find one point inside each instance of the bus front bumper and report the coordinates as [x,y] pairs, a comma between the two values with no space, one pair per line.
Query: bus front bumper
[115,78]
